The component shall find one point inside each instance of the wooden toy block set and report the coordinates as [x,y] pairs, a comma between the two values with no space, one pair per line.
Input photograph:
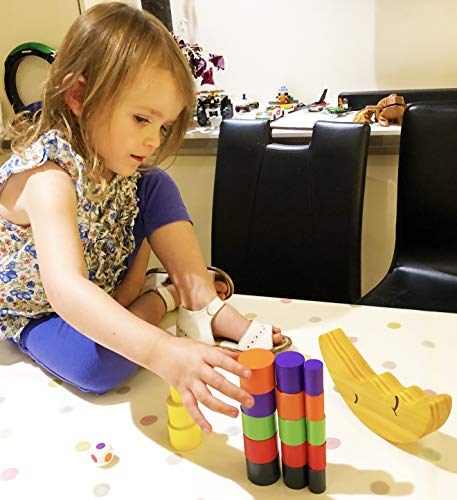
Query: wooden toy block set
[288,397]
[294,388]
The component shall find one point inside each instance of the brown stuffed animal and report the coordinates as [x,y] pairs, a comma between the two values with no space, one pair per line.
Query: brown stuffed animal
[388,110]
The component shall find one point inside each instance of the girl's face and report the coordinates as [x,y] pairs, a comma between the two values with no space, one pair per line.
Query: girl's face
[133,133]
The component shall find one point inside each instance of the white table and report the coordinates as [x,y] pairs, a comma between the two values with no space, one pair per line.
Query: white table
[297,124]
[46,426]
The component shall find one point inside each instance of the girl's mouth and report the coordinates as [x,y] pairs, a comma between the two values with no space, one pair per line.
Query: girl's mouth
[139,159]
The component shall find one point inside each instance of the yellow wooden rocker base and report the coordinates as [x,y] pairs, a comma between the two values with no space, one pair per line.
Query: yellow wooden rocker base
[394,412]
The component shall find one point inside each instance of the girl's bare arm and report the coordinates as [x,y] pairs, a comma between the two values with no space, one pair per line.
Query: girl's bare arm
[49,199]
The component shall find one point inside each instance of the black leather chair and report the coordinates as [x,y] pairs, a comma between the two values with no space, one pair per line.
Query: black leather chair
[359,99]
[287,218]
[423,273]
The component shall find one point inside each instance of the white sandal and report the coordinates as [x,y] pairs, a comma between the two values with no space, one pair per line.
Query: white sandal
[157,279]
[197,326]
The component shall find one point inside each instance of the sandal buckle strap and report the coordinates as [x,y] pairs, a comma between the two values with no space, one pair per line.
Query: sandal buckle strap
[214,306]
[167,297]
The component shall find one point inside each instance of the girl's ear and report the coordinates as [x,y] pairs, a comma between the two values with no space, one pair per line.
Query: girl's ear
[74,95]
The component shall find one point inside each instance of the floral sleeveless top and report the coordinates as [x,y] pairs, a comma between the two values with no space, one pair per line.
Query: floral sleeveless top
[105,228]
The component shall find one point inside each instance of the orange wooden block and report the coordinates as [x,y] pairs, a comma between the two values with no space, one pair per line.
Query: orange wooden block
[290,406]
[314,407]
[261,364]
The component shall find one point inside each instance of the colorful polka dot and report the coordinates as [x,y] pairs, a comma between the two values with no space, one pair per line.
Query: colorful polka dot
[428,343]
[353,339]
[55,382]
[66,409]
[315,319]
[250,315]
[431,454]
[148,420]
[9,474]
[393,325]
[233,431]
[379,488]
[82,446]
[430,392]
[174,459]
[286,301]
[6,433]
[123,390]
[390,365]
[102,489]
[333,443]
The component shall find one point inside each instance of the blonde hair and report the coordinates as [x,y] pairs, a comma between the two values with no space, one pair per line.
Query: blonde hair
[108,45]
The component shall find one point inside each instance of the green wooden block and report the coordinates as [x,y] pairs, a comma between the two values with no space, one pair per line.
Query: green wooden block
[260,428]
[316,432]
[292,432]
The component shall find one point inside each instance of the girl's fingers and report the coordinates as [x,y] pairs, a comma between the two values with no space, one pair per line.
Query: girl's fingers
[221,384]
[226,360]
[191,404]
[205,397]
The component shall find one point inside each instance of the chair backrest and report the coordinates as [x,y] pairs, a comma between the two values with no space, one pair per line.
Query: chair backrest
[427,188]
[359,99]
[287,219]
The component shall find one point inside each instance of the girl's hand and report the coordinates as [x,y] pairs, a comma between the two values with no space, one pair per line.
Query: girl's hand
[189,367]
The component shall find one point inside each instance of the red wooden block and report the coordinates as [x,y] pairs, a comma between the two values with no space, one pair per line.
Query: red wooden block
[261,452]
[294,456]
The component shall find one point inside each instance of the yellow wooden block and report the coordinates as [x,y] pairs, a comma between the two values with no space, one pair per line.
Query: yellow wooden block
[178,415]
[381,402]
[175,395]
[185,439]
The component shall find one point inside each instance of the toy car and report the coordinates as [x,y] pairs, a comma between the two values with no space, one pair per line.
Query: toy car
[270,114]
[213,104]
[320,104]
[246,105]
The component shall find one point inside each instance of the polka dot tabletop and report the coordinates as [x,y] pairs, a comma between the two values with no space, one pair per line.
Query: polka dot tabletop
[48,429]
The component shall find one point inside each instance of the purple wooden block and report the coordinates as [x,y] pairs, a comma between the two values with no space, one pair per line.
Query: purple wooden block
[264,405]
[314,377]
[289,372]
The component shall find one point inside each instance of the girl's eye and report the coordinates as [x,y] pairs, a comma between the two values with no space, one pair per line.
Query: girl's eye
[141,119]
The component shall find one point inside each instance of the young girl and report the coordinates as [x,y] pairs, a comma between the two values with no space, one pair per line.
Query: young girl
[79,214]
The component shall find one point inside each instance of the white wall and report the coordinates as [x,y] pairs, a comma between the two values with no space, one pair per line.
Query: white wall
[309,45]
[304,44]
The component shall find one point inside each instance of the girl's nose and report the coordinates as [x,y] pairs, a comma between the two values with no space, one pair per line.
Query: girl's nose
[152,139]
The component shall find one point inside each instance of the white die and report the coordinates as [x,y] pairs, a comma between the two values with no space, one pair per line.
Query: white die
[102,454]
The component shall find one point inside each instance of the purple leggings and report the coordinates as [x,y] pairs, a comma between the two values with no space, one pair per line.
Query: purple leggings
[70,355]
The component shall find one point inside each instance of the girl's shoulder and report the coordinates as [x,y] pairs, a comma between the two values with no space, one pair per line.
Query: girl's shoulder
[49,147]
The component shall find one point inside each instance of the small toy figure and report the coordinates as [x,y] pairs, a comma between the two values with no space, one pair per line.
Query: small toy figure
[102,454]
[283,98]
[213,104]
[388,111]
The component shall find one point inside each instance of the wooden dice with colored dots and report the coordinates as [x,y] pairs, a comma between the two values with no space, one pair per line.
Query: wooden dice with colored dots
[102,454]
